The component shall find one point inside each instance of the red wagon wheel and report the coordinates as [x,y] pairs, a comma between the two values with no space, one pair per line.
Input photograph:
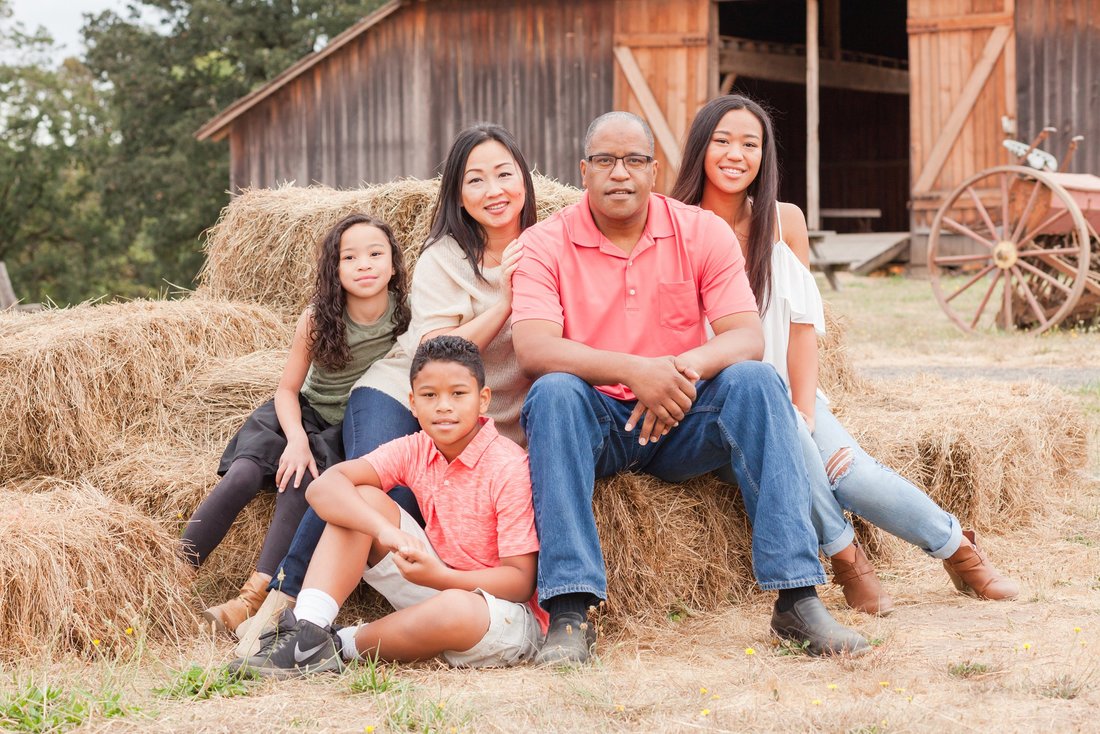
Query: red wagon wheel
[1015,227]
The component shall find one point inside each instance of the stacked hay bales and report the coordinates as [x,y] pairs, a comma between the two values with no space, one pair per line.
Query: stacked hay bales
[137,400]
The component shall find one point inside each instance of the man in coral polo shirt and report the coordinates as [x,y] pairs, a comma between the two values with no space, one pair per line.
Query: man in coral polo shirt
[609,313]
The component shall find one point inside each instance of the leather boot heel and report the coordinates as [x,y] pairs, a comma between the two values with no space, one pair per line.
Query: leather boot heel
[228,616]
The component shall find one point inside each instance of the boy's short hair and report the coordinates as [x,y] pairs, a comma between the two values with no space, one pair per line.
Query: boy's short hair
[449,348]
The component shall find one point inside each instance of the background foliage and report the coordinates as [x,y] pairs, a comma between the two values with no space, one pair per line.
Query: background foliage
[103,188]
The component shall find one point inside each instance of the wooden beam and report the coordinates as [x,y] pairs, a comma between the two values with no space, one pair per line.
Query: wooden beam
[7,293]
[727,83]
[973,87]
[791,68]
[661,130]
[973,22]
[659,40]
[813,152]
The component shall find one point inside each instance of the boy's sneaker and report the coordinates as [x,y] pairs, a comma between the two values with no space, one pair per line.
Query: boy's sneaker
[301,650]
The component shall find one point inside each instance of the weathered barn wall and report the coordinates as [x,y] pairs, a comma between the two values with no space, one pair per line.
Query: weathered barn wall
[388,103]
[1058,75]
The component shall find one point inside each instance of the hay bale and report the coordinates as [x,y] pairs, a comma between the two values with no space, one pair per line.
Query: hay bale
[78,566]
[984,450]
[74,379]
[264,231]
[835,373]
[671,547]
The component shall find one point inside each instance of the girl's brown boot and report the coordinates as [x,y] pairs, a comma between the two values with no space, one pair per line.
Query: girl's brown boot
[228,616]
[974,575]
[862,589]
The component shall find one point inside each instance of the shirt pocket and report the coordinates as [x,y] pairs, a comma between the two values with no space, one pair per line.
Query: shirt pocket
[679,304]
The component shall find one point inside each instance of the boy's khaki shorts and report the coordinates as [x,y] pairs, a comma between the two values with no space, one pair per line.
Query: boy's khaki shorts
[513,636]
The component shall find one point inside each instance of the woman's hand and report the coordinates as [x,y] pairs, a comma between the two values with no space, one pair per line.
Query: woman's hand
[296,460]
[509,261]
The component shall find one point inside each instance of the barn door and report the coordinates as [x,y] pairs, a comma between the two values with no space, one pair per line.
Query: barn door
[962,75]
[665,69]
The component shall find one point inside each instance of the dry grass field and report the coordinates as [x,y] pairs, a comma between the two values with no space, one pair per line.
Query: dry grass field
[942,662]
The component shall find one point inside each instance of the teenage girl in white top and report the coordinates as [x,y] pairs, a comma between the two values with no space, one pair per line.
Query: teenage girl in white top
[729,167]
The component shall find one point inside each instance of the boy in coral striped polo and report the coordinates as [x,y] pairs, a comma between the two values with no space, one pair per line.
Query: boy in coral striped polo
[463,586]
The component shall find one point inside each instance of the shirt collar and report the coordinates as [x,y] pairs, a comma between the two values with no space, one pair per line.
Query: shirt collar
[584,232]
[474,450]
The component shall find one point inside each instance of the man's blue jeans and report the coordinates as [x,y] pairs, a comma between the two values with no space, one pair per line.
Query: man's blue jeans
[742,421]
[870,490]
[372,419]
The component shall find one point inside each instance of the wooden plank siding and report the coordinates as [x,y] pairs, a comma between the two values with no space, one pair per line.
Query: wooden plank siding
[673,43]
[388,103]
[961,71]
[1058,75]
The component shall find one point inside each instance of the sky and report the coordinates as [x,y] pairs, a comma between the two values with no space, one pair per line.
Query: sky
[62,18]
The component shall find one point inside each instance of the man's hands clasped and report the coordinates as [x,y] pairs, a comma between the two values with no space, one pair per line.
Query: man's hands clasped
[665,389]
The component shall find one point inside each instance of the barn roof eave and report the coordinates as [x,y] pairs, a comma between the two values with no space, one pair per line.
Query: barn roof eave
[217,128]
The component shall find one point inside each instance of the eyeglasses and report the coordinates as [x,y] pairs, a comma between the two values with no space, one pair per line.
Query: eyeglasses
[633,162]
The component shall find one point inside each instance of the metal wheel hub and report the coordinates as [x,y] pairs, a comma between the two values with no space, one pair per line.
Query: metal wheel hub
[1005,254]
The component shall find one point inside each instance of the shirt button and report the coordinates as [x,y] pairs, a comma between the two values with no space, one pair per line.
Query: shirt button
[631,291]
[629,263]
[446,482]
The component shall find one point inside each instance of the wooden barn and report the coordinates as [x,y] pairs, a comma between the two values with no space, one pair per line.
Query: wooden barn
[882,106]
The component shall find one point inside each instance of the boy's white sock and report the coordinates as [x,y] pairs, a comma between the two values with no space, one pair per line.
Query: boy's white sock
[348,650]
[317,607]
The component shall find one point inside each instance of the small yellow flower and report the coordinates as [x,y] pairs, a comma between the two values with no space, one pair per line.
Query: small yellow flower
[368,729]
[703,691]
[1027,645]
[832,686]
[95,643]
[705,712]
[816,702]
[179,515]
[620,708]
[899,690]
[129,630]
[714,697]
[1077,630]
[884,683]
[439,705]
[750,651]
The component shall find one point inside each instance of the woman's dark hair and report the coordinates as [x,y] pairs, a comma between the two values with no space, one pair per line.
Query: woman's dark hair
[449,217]
[449,348]
[328,337]
[764,189]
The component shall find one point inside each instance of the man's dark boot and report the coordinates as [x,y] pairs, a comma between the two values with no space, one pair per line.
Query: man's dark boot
[809,625]
[568,642]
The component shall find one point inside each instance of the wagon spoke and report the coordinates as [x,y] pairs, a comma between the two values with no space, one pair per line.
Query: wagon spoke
[1004,207]
[1046,276]
[983,211]
[954,259]
[1006,305]
[985,299]
[1035,307]
[963,229]
[1027,211]
[1033,252]
[970,282]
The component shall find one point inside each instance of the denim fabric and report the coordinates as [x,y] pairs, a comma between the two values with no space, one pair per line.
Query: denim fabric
[372,419]
[742,420]
[872,491]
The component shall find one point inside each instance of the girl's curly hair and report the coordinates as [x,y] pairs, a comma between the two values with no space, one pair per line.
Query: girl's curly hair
[328,337]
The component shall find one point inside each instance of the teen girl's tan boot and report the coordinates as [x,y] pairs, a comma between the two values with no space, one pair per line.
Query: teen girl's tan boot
[228,616]
[861,586]
[974,575]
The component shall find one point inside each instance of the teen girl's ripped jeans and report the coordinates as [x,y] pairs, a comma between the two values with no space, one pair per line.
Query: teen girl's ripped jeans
[843,477]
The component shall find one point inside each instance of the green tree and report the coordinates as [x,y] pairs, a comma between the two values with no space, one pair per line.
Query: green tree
[54,128]
[164,82]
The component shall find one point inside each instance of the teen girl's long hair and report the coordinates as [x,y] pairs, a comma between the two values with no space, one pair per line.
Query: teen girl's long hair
[764,189]
[328,337]
[450,218]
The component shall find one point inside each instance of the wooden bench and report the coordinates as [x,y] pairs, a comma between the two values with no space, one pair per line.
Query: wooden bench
[859,252]
[863,217]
